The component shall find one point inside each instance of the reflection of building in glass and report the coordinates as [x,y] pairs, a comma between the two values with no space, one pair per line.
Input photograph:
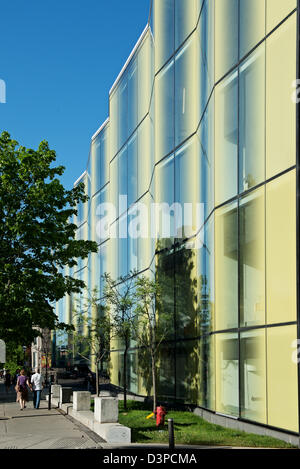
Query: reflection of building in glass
[202,112]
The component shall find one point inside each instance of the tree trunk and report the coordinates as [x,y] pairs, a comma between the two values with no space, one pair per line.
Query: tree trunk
[125,376]
[153,361]
[97,378]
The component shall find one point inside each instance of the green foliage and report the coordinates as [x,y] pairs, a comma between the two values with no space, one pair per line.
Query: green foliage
[189,430]
[119,298]
[36,239]
[93,330]
[153,321]
[14,357]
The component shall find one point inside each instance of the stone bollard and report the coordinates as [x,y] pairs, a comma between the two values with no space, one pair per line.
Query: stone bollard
[65,395]
[55,389]
[105,394]
[106,409]
[81,400]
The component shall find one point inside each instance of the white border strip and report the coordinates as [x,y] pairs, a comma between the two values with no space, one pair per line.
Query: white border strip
[100,128]
[80,177]
[130,57]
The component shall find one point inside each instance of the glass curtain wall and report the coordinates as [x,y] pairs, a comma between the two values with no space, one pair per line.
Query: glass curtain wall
[201,121]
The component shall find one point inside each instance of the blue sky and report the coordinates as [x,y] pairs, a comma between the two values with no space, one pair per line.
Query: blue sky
[59,58]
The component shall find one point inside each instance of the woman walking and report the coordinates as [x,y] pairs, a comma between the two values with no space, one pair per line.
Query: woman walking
[22,389]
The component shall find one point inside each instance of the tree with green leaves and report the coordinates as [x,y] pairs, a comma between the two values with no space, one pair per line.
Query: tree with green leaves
[119,297]
[37,240]
[153,323]
[92,338]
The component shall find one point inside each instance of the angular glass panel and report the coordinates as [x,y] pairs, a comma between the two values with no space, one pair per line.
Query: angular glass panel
[227,374]
[146,240]
[186,16]
[226,35]
[132,73]
[207,372]
[226,139]
[207,52]
[123,246]
[281,249]
[277,10]
[132,244]
[100,216]
[281,110]
[165,175]
[252,258]
[95,164]
[114,185]
[163,31]
[187,177]
[166,379]
[226,267]
[165,273]
[252,120]
[123,186]
[252,24]
[253,375]
[186,90]
[113,251]
[186,292]
[187,371]
[206,280]
[114,123]
[103,253]
[132,169]
[206,136]
[145,155]
[282,383]
[164,111]
[100,160]
[123,109]
[145,76]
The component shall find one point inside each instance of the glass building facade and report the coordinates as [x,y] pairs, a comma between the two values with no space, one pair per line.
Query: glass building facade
[202,113]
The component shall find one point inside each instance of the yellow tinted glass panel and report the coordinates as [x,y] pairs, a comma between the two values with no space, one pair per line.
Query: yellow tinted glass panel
[282,378]
[226,267]
[186,15]
[252,258]
[144,77]
[253,375]
[281,110]
[281,248]
[226,35]
[277,10]
[113,116]
[226,138]
[252,24]
[227,374]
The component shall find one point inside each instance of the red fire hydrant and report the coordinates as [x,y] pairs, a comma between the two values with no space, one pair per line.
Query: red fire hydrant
[160,416]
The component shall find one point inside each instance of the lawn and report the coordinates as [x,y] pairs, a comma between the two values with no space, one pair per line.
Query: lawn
[189,430]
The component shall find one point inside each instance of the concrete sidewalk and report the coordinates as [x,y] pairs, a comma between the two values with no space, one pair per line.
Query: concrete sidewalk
[40,428]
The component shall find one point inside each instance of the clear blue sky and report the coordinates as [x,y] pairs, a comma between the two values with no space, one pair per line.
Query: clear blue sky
[59,59]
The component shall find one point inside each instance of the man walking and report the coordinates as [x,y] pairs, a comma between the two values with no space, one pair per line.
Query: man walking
[37,382]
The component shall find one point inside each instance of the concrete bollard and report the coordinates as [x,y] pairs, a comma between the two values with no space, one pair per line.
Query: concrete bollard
[65,395]
[55,389]
[106,409]
[81,400]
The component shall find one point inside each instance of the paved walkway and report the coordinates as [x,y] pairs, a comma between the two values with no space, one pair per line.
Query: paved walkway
[40,428]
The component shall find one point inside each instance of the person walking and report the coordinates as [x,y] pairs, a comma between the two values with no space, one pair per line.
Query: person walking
[22,389]
[7,380]
[37,381]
